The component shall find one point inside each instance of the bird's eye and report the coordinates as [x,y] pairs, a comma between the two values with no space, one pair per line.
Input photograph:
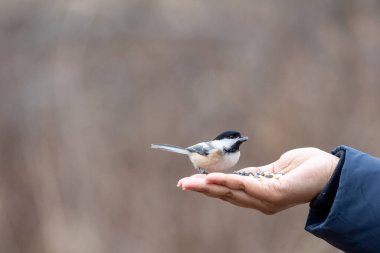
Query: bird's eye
[231,137]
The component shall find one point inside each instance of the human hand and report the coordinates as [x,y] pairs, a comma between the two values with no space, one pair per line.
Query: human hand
[306,172]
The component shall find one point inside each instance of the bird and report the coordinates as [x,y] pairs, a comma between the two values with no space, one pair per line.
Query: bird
[217,155]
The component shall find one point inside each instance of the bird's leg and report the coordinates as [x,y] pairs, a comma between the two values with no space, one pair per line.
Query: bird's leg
[202,171]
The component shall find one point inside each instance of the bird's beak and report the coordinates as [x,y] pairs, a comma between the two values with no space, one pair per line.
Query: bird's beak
[243,139]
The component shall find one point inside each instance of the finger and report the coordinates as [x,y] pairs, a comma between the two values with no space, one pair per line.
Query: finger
[193,183]
[265,190]
[232,181]
[179,184]
[236,182]
[236,197]
[201,185]
[211,190]
[199,175]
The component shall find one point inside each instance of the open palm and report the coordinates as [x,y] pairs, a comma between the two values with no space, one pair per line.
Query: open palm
[306,172]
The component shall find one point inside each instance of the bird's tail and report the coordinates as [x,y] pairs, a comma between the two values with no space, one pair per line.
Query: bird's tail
[170,148]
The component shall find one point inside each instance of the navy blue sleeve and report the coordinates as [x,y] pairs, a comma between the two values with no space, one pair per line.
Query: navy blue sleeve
[346,213]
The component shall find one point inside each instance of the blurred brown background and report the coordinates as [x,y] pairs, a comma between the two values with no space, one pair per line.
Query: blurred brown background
[86,86]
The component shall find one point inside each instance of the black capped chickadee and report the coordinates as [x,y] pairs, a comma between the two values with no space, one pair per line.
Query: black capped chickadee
[220,154]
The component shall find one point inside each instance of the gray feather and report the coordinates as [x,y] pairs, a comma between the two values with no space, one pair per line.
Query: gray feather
[200,149]
[170,148]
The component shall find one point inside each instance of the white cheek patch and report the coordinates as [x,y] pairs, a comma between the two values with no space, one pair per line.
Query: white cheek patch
[225,143]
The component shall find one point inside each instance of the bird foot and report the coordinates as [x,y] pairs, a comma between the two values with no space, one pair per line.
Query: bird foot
[202,171]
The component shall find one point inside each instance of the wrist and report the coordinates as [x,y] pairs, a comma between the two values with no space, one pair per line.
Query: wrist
[334,161]
[326,197]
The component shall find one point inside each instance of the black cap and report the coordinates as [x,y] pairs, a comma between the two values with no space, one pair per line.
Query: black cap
[228,135]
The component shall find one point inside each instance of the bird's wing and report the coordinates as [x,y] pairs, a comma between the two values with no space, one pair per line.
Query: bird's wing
[200,148]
